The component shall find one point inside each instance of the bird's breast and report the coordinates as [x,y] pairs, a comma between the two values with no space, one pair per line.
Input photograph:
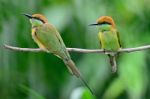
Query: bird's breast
[33,31]
[35,38]
[109,40]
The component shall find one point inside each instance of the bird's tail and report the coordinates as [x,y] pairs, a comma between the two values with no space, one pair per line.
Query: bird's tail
[112,59]
[74,70]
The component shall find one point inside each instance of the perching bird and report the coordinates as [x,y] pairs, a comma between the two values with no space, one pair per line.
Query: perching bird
[48,38]
[109,38]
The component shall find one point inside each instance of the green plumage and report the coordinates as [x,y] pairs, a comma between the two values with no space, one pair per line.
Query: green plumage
[48,39]
[109,40]
[51,39]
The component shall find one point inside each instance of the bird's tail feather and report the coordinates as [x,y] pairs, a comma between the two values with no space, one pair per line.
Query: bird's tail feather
[112,59]
[74,70]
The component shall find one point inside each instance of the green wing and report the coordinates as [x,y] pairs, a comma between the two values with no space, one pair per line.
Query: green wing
[118,36]
[51,39]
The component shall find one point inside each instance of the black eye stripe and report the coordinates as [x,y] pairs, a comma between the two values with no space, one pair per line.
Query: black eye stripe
[38,19]
[107,23]
[104,23]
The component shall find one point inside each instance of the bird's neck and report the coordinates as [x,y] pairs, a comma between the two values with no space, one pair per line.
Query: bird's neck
[36,23]
[105,27]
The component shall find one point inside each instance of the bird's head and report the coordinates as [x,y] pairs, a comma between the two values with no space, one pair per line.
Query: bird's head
[104,22]
[37,19]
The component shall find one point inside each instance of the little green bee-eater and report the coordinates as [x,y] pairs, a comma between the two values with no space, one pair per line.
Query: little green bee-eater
[48,38]
[109,38]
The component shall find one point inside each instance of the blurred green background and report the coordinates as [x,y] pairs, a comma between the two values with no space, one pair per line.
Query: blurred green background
[28,75]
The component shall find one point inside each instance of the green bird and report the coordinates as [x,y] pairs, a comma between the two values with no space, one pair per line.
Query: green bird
[109,38]
[48,38]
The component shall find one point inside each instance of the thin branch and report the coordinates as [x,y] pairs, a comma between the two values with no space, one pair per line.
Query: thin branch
[40,50]
[79,50]
[23,49]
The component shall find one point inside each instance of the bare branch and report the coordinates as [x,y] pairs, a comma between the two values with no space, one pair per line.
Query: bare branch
[23,49]
[135,49]
[79,50]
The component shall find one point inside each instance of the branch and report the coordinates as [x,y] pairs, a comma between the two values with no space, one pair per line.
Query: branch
[79,50]
[23,49]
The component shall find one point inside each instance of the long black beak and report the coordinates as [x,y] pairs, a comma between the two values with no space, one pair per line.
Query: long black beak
[95,24]
[27,15]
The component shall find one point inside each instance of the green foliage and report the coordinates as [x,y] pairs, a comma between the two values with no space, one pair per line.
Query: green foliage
[34,94]
[44,76]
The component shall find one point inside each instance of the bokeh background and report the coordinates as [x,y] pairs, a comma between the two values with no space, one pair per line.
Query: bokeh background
[29,75]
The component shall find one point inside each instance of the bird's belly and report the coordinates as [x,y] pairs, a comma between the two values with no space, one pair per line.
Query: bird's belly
[109,41]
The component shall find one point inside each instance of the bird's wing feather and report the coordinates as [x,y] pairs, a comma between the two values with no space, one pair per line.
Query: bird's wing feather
[118,36]
[101,39]
[51,39]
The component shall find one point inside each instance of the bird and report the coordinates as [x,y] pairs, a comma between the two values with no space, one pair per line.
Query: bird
[109,39]
[48,39]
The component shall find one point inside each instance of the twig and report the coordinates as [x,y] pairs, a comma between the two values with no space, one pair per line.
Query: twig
[79,50]
[40,50]
[23,49]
